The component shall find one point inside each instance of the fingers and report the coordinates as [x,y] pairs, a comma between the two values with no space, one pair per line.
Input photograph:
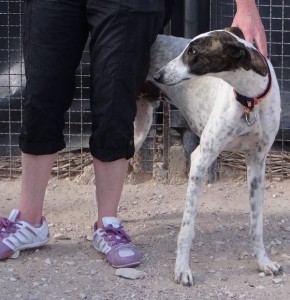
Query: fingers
[261,43]
[259,38]
[253,32]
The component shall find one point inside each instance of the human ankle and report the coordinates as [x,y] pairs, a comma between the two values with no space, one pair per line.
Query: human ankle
[33,219]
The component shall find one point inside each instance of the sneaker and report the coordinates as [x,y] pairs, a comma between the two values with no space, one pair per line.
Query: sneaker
[16,235]
[115,243]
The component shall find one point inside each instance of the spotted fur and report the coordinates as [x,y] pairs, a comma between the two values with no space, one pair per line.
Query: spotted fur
[199,76]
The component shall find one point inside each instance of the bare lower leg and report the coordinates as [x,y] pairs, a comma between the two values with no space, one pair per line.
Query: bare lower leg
[36,170]
[110,178]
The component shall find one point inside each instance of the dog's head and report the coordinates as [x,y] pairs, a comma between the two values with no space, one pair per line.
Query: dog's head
[213,52]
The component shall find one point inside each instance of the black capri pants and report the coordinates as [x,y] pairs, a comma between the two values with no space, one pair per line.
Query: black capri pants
[55,34]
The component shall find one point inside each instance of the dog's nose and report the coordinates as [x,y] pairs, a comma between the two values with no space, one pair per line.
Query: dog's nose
[157,76]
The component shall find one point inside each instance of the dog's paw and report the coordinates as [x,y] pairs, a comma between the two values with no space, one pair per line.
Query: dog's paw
[270,268]
[184,277]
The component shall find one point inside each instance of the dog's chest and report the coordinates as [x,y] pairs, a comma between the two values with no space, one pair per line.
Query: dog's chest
[197,99]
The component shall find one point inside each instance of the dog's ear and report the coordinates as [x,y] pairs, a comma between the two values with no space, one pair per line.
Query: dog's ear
[237,31]
[239,54]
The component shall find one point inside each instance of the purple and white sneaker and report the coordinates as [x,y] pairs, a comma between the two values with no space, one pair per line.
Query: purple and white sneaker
[16,235]
[115,243]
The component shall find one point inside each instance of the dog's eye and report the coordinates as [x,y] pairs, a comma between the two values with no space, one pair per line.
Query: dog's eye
[242,53]
[190,51]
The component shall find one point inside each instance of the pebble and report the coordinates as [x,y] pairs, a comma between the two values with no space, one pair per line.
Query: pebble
[130,273]
[67,291]
[15,255]
[262,274]
[12,279]
[35,284]
[243,255]
[221,276]
[48,261]
[277,280]
[260,287]
[90,237]
[231,294]
[221,258]
[286,228]
[61,236]
[70,263]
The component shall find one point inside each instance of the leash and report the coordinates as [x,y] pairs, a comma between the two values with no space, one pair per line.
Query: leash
[248,103]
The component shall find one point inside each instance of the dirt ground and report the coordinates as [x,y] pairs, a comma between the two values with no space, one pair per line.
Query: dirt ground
[221,257]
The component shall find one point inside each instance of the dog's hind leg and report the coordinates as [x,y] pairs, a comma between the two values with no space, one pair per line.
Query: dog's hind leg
[256,176]
[143,120]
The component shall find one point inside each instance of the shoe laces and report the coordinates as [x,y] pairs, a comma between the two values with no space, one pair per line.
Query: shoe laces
[6,227]
[116,235]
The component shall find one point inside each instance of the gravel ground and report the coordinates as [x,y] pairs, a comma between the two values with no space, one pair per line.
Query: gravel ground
[221,258]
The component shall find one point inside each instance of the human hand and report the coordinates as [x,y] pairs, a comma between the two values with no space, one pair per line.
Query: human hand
[249,21]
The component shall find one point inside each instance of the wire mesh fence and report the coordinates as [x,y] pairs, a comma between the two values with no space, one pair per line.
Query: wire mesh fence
[168,125]
[12,84]
[75,157]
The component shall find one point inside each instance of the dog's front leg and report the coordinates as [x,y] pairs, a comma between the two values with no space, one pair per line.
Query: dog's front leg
[256,177]
[198,168]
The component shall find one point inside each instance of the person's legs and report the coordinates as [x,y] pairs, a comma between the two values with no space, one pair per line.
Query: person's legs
[55,33]
[26,227]
[120,54]
[54,36]
[110,177]
[36,171]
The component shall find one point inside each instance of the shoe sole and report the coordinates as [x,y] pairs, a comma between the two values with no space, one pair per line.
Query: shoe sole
[35,245]
[26,247]
[131,265]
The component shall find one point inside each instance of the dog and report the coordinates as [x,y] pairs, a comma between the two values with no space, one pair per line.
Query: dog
[229,95]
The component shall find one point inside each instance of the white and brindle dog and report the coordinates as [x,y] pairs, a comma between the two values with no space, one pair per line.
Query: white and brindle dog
[229,95]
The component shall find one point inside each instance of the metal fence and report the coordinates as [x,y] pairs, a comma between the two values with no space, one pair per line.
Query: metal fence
[12,83]
[168,125]
[75,157]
